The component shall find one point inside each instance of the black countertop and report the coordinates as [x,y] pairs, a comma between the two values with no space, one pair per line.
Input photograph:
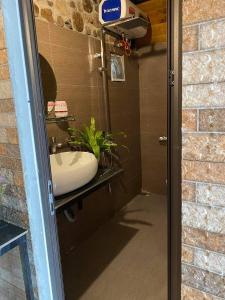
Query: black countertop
[103,176]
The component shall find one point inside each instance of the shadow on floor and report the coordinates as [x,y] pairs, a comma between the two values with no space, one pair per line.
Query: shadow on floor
[94,258]
[126,259]
[124,217]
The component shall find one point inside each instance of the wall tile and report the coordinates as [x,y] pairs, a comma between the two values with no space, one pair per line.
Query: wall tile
[195,216]
[212,35]
[203,171]
[3,136]
[203,67]
[3,57]
[202,10]
[2,149]
[4,72]
[10,163]
[210,194]
[71,39]
[204,147]
[189,293]
[2,34]
[10,150]
[68,66]
[7,120]
[188,191]
[204,217]
[189,120]
[12,136]
[212,120]
[190,38]
[5,89]
[6,106]
[18,179]
[8,175]
[203,95]
[15,200]
[204,280]
[203,239]
[42,31]
[187,254]
[210,261]
[13,216]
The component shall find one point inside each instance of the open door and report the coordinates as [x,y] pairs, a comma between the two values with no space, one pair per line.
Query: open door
[28,97]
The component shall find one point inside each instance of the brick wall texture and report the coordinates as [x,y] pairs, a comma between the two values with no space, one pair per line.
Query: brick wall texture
[203,253]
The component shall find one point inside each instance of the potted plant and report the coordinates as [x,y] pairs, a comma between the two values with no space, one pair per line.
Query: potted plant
[101,144]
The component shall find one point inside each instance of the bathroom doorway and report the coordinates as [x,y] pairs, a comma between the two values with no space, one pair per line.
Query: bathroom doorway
[121,237]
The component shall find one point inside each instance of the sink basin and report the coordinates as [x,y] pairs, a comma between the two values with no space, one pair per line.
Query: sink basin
[72,170]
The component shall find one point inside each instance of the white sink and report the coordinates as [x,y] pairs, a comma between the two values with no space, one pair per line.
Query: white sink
[72,170]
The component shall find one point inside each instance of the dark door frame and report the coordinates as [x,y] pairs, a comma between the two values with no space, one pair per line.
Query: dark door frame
[27,24]
[174,147]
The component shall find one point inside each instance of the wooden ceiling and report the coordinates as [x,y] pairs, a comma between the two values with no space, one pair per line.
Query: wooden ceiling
[157,12]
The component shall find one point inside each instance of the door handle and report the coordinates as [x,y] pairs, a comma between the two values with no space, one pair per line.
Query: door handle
[163,140]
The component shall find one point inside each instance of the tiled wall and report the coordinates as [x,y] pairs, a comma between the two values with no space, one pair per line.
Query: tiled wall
[74,77]
[204,149]
[13,203]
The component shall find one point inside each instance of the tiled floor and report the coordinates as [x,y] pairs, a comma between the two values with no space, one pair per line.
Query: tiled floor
[126,259]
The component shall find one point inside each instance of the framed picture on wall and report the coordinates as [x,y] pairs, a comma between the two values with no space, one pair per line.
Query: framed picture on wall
[117,67]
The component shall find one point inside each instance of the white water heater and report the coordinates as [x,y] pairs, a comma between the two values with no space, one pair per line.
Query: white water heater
[123,17]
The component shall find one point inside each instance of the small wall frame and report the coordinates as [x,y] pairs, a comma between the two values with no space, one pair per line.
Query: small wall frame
[117,67]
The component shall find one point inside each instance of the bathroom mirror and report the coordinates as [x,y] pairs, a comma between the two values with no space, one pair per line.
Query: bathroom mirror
[49,83]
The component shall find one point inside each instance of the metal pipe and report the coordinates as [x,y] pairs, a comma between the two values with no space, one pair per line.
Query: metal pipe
[104,72]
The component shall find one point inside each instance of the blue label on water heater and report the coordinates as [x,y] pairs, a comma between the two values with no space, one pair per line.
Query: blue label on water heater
[111,10]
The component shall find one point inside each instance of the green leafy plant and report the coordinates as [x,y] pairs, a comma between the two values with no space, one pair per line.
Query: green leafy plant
[93,140]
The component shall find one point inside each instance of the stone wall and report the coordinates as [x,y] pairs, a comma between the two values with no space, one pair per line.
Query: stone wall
[78,15]
[13,204]
[203,149]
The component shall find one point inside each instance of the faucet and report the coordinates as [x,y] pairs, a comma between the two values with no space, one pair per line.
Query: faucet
[54,145]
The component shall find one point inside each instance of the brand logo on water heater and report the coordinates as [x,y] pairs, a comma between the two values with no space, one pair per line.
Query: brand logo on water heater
[111,10]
